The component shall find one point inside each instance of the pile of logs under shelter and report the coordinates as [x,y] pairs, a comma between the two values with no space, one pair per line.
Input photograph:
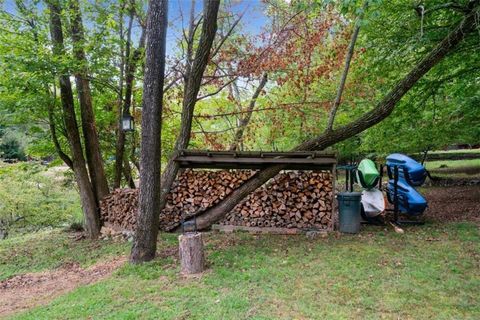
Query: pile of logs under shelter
[293,199]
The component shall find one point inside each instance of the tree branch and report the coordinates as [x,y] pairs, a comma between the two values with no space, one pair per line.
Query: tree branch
[348,59]
[223,86]
[222,41]
[245,120]
[51,121]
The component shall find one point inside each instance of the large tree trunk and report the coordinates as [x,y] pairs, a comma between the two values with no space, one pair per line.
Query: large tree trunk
[145,243]
[193,80]
[383,109]
[89,204]
[90,135]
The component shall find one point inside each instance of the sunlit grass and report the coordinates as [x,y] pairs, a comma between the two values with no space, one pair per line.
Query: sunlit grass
[456,151]
[451,164]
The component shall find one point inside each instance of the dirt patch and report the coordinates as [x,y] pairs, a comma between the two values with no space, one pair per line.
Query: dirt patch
[453,203]
[168,252]
[448,182]
[32,289]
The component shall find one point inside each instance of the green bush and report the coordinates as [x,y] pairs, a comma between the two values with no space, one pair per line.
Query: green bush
[12,146]
[32,197]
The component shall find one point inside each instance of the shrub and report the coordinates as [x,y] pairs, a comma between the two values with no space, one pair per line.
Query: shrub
[32,197]
[12,146]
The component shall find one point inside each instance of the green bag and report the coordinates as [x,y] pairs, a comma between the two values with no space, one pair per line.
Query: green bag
[367,174]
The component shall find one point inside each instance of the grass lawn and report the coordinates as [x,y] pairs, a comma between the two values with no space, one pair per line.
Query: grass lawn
[455,169]
[50,249]
[431,271]
[431,165]
[456,151]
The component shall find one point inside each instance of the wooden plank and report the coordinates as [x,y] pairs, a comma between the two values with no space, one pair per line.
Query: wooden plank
[256,166]
[206,159]
[261,154]
[269,230]
[302,160]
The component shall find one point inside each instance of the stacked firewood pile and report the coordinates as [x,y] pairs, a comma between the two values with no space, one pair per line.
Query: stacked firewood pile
[196,191]
[293,199]
[192,192]
[119,208]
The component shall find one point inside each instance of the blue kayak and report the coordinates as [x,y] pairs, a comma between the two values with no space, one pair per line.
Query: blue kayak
[409,200]
[409,170]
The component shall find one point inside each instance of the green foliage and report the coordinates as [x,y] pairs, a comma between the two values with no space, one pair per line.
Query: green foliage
[33,197]
[441,109]
[28,85]
[12,146]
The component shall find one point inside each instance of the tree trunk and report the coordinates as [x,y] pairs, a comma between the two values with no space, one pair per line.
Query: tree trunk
[192,86]
[190,249]
[53,132]
[26,13]
[117,174]
[92,145]
[191,36]
[119,152]
[145,243]
[424,157]
[131,65]
[383,109]
[89,204]
[127,172]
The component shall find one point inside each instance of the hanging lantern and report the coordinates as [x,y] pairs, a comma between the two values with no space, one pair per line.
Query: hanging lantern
[127,122]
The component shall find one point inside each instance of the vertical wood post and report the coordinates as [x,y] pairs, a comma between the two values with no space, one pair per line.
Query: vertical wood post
[334,221]
[192,259]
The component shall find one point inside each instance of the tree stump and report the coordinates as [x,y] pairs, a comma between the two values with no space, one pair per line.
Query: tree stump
[192,259]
